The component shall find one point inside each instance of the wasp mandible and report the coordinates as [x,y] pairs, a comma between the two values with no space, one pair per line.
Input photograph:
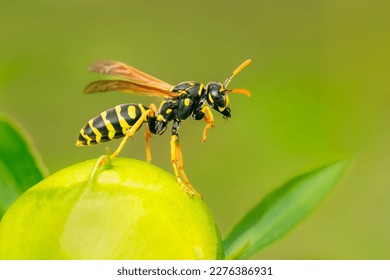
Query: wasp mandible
[179,102]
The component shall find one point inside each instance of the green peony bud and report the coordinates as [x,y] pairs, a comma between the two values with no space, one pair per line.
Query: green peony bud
[128,209]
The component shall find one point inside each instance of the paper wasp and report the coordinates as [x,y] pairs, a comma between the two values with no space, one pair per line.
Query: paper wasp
[179,102]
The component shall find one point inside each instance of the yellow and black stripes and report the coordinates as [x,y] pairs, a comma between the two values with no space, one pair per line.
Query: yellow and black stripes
[110,124]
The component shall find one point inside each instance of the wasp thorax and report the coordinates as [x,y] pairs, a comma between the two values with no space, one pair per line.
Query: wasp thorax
[217,98]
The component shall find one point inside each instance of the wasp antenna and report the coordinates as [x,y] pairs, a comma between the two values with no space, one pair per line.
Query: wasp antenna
[235,72]
[240,91]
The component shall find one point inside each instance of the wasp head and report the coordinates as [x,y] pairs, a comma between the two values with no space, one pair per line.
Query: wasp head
[218,99]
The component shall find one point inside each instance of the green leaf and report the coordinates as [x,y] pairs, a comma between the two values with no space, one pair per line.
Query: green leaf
[19,170]
[280,211]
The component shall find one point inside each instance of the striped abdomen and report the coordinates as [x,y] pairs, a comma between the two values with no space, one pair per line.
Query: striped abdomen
[111,124]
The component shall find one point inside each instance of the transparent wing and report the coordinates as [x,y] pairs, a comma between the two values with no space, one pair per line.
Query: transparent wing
[127,72]
[128,87]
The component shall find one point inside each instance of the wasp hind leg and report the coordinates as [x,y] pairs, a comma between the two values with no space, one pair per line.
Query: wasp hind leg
[146,115]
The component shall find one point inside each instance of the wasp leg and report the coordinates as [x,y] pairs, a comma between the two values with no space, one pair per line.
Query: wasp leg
[187,188]
[173,161]
[179,161]
[209,119]
[131,132]
[148,133]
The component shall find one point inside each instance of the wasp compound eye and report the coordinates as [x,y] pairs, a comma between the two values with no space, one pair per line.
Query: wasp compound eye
[215,94]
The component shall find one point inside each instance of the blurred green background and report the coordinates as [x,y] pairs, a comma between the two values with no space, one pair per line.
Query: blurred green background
[320,88]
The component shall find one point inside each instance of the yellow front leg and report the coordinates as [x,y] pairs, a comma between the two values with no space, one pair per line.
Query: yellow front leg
[209,119]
